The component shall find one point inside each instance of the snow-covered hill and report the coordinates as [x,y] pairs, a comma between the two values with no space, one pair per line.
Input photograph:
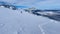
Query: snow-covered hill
[15,22]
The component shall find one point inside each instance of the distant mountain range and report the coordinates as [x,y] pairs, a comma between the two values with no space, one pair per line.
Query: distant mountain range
[52,14]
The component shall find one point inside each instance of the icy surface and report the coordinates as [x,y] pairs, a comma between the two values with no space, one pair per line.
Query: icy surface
[15,22]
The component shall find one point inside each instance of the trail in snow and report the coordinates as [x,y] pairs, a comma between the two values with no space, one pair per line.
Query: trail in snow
[42,30]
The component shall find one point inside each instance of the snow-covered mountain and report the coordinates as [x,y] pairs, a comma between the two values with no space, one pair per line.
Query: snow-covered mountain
[26,22]
[15,22]
[52,14]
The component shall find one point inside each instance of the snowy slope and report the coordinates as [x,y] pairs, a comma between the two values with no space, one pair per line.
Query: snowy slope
[15,22]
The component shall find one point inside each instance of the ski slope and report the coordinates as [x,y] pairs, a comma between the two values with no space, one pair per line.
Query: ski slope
[21,22]
[15,22]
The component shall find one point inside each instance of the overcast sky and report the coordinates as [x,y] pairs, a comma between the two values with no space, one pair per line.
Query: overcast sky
[41,4]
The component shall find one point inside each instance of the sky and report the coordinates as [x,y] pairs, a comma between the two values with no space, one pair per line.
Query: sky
[40,4]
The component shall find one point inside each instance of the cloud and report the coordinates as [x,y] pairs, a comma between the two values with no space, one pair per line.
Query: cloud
[10,1]
[36,3]
[48,4]
[43,4]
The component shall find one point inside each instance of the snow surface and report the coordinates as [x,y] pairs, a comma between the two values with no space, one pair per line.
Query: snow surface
[15,22]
